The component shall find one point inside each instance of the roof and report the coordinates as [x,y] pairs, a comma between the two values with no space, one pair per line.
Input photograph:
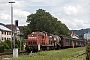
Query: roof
[14,27]
[20,28]
[9,26]
[4,28]
[2,24]
[73,35]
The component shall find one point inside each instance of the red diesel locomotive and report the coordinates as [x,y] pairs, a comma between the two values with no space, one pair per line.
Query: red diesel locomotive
[39,40]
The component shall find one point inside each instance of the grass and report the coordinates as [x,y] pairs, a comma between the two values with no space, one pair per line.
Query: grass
[63,54]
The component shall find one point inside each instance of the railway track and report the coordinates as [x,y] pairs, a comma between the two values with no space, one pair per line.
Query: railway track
[78,55]
[10,55]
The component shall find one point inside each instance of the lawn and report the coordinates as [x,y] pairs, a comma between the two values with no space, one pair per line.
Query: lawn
[63,54]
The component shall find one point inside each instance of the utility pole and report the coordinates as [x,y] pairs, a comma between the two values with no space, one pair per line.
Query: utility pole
[11,23]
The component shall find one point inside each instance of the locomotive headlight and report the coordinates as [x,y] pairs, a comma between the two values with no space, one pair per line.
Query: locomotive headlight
[32,35]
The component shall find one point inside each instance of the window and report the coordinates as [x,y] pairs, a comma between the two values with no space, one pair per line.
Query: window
[33,32]
[40,33]
[2,32]
[8,33]
[2,38]
[5,33]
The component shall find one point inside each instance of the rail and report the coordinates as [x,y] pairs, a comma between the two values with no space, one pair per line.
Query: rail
[10,55]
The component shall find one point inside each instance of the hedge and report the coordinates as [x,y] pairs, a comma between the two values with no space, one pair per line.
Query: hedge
[1,48]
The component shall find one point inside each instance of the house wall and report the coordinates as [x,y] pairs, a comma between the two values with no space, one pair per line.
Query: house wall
[87,36]
[5,32]
[5,35]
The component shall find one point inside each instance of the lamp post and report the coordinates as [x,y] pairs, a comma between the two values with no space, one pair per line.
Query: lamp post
[11,22]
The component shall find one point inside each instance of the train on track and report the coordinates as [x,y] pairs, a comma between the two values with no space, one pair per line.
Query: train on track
[40,40]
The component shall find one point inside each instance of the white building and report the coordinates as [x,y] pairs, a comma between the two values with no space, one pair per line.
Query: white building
[15,30]
[5,33]
[87,36]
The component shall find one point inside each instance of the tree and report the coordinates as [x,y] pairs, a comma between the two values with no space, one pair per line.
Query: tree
[88,51]
[26,30]
[44,21]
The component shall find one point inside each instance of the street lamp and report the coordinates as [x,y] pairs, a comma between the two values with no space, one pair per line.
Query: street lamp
[11,22]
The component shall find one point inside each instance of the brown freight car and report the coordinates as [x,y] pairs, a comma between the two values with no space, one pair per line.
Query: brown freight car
[65,41]
[69,42]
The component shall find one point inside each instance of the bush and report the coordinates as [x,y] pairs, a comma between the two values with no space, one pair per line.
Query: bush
[1,48]
[5,45]
[8,43]
[88,51]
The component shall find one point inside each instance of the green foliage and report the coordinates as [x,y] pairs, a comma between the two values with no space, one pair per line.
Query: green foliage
[1,48]
[26,30]
[5,45]
[8,43]
[44,21]
[17,43]
[22,44]
[16,46]
[81,36]
[88,51]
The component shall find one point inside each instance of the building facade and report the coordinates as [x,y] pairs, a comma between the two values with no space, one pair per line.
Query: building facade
[87,36]
[16,30]
[5,33]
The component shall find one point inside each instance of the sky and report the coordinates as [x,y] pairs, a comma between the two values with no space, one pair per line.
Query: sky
[75,14]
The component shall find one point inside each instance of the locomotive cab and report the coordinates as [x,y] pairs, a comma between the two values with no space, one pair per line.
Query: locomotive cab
[36,40]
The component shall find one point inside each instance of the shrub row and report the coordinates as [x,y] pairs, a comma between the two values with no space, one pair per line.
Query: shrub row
[7,45]
[1,48]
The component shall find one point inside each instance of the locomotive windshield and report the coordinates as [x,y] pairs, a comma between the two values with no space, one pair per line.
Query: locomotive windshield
[33,32]
[41,33]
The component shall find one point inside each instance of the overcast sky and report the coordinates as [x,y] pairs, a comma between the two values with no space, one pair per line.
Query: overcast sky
[75,14]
